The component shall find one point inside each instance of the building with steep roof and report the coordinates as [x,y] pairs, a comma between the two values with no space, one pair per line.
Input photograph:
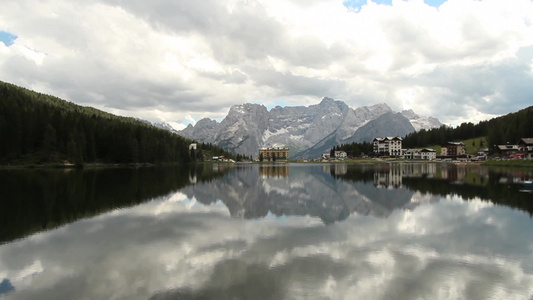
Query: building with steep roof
[525,146]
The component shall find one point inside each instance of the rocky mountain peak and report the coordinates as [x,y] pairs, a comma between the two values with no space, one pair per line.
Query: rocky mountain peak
[421,122]
[250,126]
[409,113]
[380,108]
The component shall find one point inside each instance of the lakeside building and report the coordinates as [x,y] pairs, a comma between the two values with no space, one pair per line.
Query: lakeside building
[341,154]
[453,149]
[508,150]
[422,154]
[274,154]
[387,146]
[526,147]
[522,150]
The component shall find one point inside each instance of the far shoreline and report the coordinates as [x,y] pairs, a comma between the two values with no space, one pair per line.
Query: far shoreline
[367,161]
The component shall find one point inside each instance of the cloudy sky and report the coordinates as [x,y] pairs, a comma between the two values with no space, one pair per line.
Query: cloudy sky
[180,61]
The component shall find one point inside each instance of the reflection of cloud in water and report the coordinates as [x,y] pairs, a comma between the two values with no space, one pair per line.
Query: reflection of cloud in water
[167,249]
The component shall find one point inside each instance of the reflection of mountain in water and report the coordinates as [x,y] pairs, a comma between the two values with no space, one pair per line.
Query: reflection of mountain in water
[298,190]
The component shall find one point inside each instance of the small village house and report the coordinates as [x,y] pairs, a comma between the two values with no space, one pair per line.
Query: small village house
[508,150]
[525,146]
[341,154]
[420,154]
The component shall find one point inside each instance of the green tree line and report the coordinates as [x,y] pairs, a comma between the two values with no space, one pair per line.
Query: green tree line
[353,149]
[37,129]
[501,130]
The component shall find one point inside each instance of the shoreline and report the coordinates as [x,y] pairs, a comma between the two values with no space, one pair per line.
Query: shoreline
[487,163]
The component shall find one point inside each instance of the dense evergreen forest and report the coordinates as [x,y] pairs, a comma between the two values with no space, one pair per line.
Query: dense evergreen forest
[354,149]
[40,129]
[498,131]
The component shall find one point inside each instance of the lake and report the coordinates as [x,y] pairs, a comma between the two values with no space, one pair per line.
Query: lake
[269,231]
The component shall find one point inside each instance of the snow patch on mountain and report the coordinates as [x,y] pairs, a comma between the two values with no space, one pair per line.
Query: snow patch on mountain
[248,127]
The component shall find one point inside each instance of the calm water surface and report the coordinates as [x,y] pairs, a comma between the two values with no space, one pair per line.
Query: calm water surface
[285,231]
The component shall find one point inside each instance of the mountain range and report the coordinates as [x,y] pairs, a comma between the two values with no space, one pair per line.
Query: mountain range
[306,131]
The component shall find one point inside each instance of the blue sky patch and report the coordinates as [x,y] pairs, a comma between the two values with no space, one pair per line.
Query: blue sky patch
[281,103]
[435,3]
[357,4]
[7,38]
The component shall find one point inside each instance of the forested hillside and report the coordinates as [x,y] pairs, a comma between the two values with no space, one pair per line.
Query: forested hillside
[498,131]
[354,149]
[501,130]
[39,129]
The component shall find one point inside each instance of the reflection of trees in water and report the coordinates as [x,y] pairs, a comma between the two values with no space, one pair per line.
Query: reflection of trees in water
[269,170]
[467,181]
[493,191]
[35,200]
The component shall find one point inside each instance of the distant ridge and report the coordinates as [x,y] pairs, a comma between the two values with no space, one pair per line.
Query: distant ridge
[307,131]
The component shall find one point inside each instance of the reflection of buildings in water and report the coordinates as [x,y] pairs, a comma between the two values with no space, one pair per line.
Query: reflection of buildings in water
[335,169]
[340,169]
[391,176]
[454,173]
[388,177]
[419,170]
[220,167]
[274,170]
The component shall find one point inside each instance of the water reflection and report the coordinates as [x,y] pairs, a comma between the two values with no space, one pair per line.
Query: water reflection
[186,246]
[35,200]
[500,186]
[377,190]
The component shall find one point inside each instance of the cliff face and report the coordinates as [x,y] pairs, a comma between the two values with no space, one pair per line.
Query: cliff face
[307,131]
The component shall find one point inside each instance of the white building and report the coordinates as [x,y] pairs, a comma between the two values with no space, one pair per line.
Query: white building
[390,146]
[422,154]
[340,154]
[428,154]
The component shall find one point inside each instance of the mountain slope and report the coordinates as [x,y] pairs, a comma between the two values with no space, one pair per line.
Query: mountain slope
[306,131]
[40,129]
[387,124]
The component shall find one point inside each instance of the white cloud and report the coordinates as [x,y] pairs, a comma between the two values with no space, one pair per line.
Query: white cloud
[167,61]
